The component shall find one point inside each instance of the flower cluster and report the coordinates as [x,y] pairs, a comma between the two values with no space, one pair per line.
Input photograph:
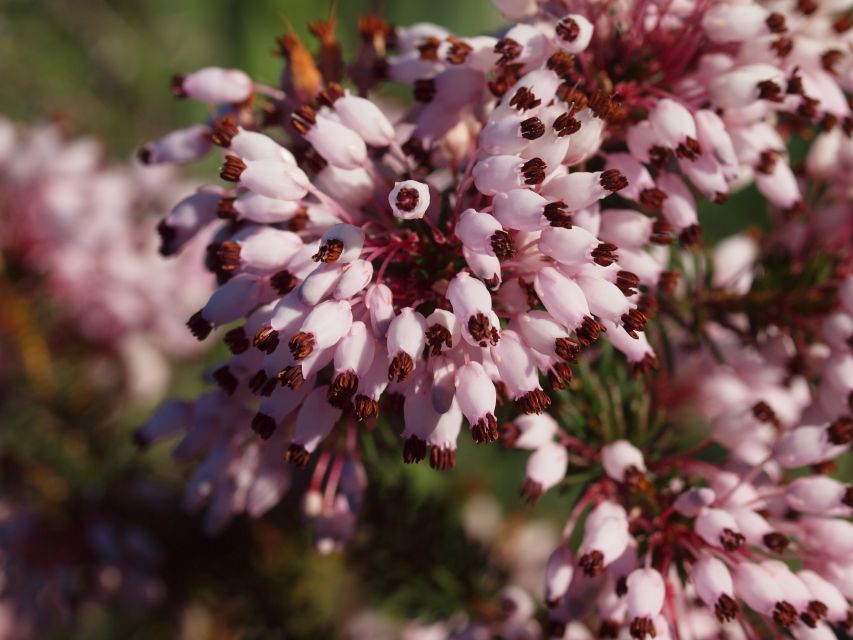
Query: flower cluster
[76,227]
[467,252]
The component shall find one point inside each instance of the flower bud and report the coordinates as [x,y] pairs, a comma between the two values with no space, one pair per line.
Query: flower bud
[357,275]
[270,178]
[214,85]
[405,341]
[714,586]
[558,574]
[187,218]
[646,592]
[719,529]
[472,305]
[620,457]
[519,373]
[378,301]
[530,431]
[477,398]
[581,189]
[499,174]
[178,147]
[546,467]
[313,423]
[336,143]
[322,328]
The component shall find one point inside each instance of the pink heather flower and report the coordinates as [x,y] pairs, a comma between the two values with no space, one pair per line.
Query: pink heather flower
[409,199]
[214,85]
[558,574]
[645,597]
[546,467]
[621,459]
[537,194]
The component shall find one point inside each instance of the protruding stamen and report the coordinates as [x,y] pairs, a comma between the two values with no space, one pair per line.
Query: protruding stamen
[301,345]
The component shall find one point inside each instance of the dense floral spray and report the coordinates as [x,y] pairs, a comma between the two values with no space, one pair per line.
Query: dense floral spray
[455,263]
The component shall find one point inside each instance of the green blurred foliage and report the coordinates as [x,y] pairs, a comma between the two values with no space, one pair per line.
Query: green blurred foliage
[105,65]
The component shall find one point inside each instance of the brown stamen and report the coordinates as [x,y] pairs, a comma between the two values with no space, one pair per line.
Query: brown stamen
[775,541]
[642,627]
[776,23]
[633,322]
[266,340]
[556,213]
[481,329]
[589,331]
[502,245]
[458,51]
[442,459]
[840,432]
[364,408]
[198,326]
[414,449]
[566,124]
[567,349]
[785,614]
[508,49]
[438,336]
[592,563]
[533,171]
[283,281]
[232,169]
[257,381]
[691,236]
[532,128]
[485,430]
[604,254]
[645,366]
[613,180]
[560,376]
[297,455]
[770,91]
[627,282]
[291,376]
[226,209]
[731,540]
[562,63]
[263,425]
[223,131]
[568,29]
[428,49]
[424,90]
[689,149]
[226,255]
[407,199]
[329,251]
[531,490]
[301,345]
[524,99]
[830,59]
[236,340]
[535,401]
[725,609]
[401,367]
[225,379]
